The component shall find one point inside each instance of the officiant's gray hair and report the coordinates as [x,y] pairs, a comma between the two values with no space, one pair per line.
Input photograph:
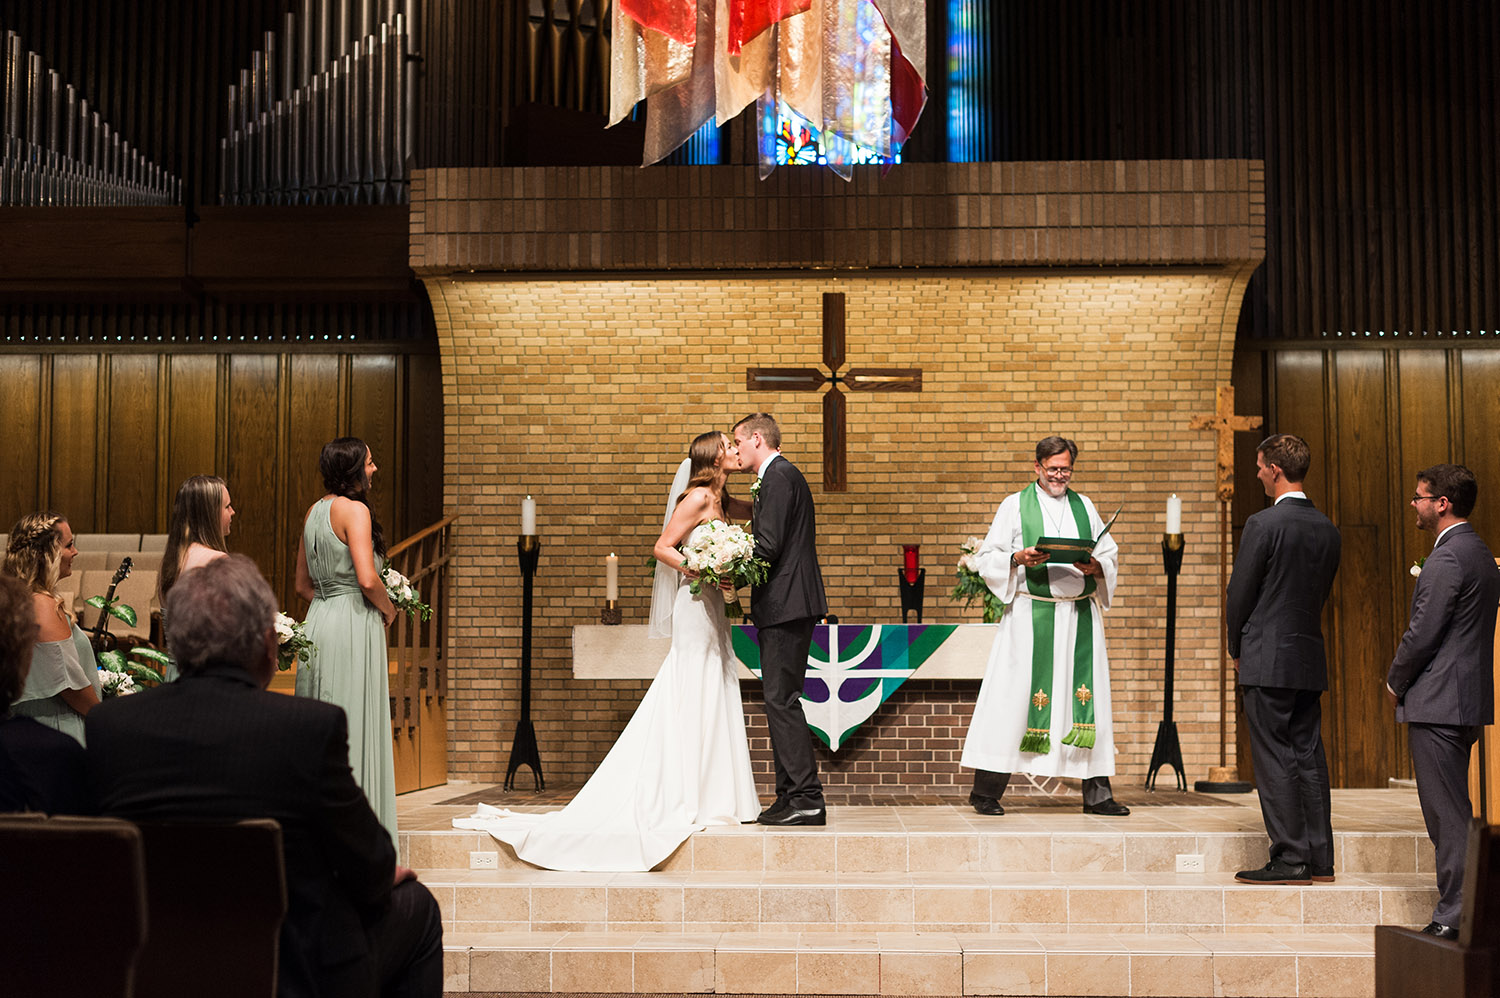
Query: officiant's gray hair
[1054,445]
[220,614]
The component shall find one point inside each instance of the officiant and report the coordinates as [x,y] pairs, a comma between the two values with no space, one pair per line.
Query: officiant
[1044,704]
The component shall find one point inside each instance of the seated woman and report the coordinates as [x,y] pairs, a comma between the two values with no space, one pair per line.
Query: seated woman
[40,769]
[201,514]
[63,684]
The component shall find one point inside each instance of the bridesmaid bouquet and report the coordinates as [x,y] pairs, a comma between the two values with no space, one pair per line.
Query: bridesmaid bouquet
[116,684]
[402,593]
[724,553]
[292,643]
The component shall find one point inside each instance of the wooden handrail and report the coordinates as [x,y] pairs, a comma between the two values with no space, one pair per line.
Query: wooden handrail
[422,534]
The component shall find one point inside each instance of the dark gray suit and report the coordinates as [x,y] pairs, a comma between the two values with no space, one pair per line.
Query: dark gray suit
[785,609]
[1444,676]
[1283,572]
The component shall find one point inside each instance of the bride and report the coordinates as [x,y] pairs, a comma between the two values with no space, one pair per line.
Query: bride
[683,761]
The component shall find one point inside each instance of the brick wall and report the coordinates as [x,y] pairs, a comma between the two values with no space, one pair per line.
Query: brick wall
[582,390]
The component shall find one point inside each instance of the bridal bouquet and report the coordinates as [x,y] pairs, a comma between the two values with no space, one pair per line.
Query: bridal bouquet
[971,587]
[292,643]
[402,593]
[722,553]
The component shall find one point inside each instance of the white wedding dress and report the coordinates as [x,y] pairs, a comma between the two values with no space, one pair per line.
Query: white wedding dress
[682,762]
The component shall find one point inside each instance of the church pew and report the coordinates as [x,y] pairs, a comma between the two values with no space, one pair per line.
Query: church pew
[1409,963]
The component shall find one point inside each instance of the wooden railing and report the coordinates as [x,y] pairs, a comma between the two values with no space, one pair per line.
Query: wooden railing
[419,660]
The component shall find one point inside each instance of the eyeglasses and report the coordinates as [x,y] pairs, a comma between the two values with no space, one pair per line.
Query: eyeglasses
[1419,498]
[1058,472]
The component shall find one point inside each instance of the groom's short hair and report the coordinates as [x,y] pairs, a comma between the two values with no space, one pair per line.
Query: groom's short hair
[764,424]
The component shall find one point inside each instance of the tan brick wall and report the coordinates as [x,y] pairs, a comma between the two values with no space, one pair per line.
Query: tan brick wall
[583,392]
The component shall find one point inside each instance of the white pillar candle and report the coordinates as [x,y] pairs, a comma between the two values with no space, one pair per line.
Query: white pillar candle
[611,577]
[528,517]
[1174,515]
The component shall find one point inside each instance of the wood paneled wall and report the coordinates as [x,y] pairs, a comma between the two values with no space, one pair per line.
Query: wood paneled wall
[1374,417]
[106,436]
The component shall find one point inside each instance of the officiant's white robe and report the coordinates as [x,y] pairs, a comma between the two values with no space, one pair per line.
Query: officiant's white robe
[994,739]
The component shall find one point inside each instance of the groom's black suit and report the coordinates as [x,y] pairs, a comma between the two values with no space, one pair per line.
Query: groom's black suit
[785,609]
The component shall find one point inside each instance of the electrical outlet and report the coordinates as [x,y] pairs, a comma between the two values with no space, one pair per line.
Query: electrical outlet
[1186,862]
[491,861]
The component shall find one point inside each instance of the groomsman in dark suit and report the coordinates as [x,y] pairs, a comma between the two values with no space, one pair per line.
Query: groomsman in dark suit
[217,745]
[1283,572]
[1442,680]
[785,610]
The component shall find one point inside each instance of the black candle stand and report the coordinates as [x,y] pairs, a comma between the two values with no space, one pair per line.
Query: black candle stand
[1168,750]
[523,748]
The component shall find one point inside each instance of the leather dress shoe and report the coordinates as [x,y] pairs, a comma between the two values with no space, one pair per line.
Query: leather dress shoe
[793,816]
[986,805]
[780,807]
[1276,872]
[1110,807]
[1440,930]
[1321,874]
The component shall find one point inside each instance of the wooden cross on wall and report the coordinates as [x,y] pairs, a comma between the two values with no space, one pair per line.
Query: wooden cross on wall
[1224,423]
[864,379]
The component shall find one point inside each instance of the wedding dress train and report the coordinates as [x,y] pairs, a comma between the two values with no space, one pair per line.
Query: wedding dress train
[682,763]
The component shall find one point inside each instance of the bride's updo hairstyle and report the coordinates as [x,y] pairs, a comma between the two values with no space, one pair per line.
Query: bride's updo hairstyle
[703,453]
[342,464]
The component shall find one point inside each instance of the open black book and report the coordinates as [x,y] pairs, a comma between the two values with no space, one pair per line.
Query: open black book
[1067,550]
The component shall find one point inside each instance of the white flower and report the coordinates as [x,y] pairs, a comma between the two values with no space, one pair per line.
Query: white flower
[966,562]
[284,626]
[1416,570]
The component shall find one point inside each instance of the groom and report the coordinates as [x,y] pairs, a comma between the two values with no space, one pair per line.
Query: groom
[784,609]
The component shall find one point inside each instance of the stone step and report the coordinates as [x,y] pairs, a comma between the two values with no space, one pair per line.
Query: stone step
[540,901]
[1064,844]
[1308,965]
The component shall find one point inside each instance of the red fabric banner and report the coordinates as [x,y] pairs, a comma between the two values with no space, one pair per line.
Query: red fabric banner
[677,19]
[748,18]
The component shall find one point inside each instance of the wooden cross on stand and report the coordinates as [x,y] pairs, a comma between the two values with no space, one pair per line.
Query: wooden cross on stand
[1224,778]
[864,379]
[1224,423]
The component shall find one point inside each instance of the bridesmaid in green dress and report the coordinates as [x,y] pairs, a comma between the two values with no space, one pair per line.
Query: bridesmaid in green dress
[338,574]
[63,684]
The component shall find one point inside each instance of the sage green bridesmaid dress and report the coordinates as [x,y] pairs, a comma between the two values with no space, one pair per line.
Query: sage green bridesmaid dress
[348,666]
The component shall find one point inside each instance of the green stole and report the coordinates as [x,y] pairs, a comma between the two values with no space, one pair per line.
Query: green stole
[1038,737]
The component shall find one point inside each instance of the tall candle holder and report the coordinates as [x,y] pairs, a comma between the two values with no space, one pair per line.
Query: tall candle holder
[1168,750]
[523,748]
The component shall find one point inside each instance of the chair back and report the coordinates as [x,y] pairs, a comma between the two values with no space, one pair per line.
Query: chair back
[217,896]
[74,917]
[108,542]
[153,543]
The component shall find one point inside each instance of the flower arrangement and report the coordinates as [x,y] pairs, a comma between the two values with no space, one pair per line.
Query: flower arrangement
[402,593]
[1416,567]
[292,643]
[719,553]
[971,587]
[755,490]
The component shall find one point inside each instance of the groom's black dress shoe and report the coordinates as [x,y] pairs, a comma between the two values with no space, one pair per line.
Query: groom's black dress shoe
[986,805]
[796,816]
[1440,930]
[1111,808]
[1276,872]
[776,810]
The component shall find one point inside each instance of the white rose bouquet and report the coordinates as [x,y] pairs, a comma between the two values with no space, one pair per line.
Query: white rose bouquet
[402,593]
[116,684]
[722,553]
[971,587]
[292,643]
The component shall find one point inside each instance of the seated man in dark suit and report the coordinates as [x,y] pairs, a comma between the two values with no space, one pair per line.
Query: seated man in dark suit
[40,769]
[216,745]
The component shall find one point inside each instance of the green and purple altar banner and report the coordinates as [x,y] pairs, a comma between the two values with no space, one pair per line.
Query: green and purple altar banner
[851,670]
